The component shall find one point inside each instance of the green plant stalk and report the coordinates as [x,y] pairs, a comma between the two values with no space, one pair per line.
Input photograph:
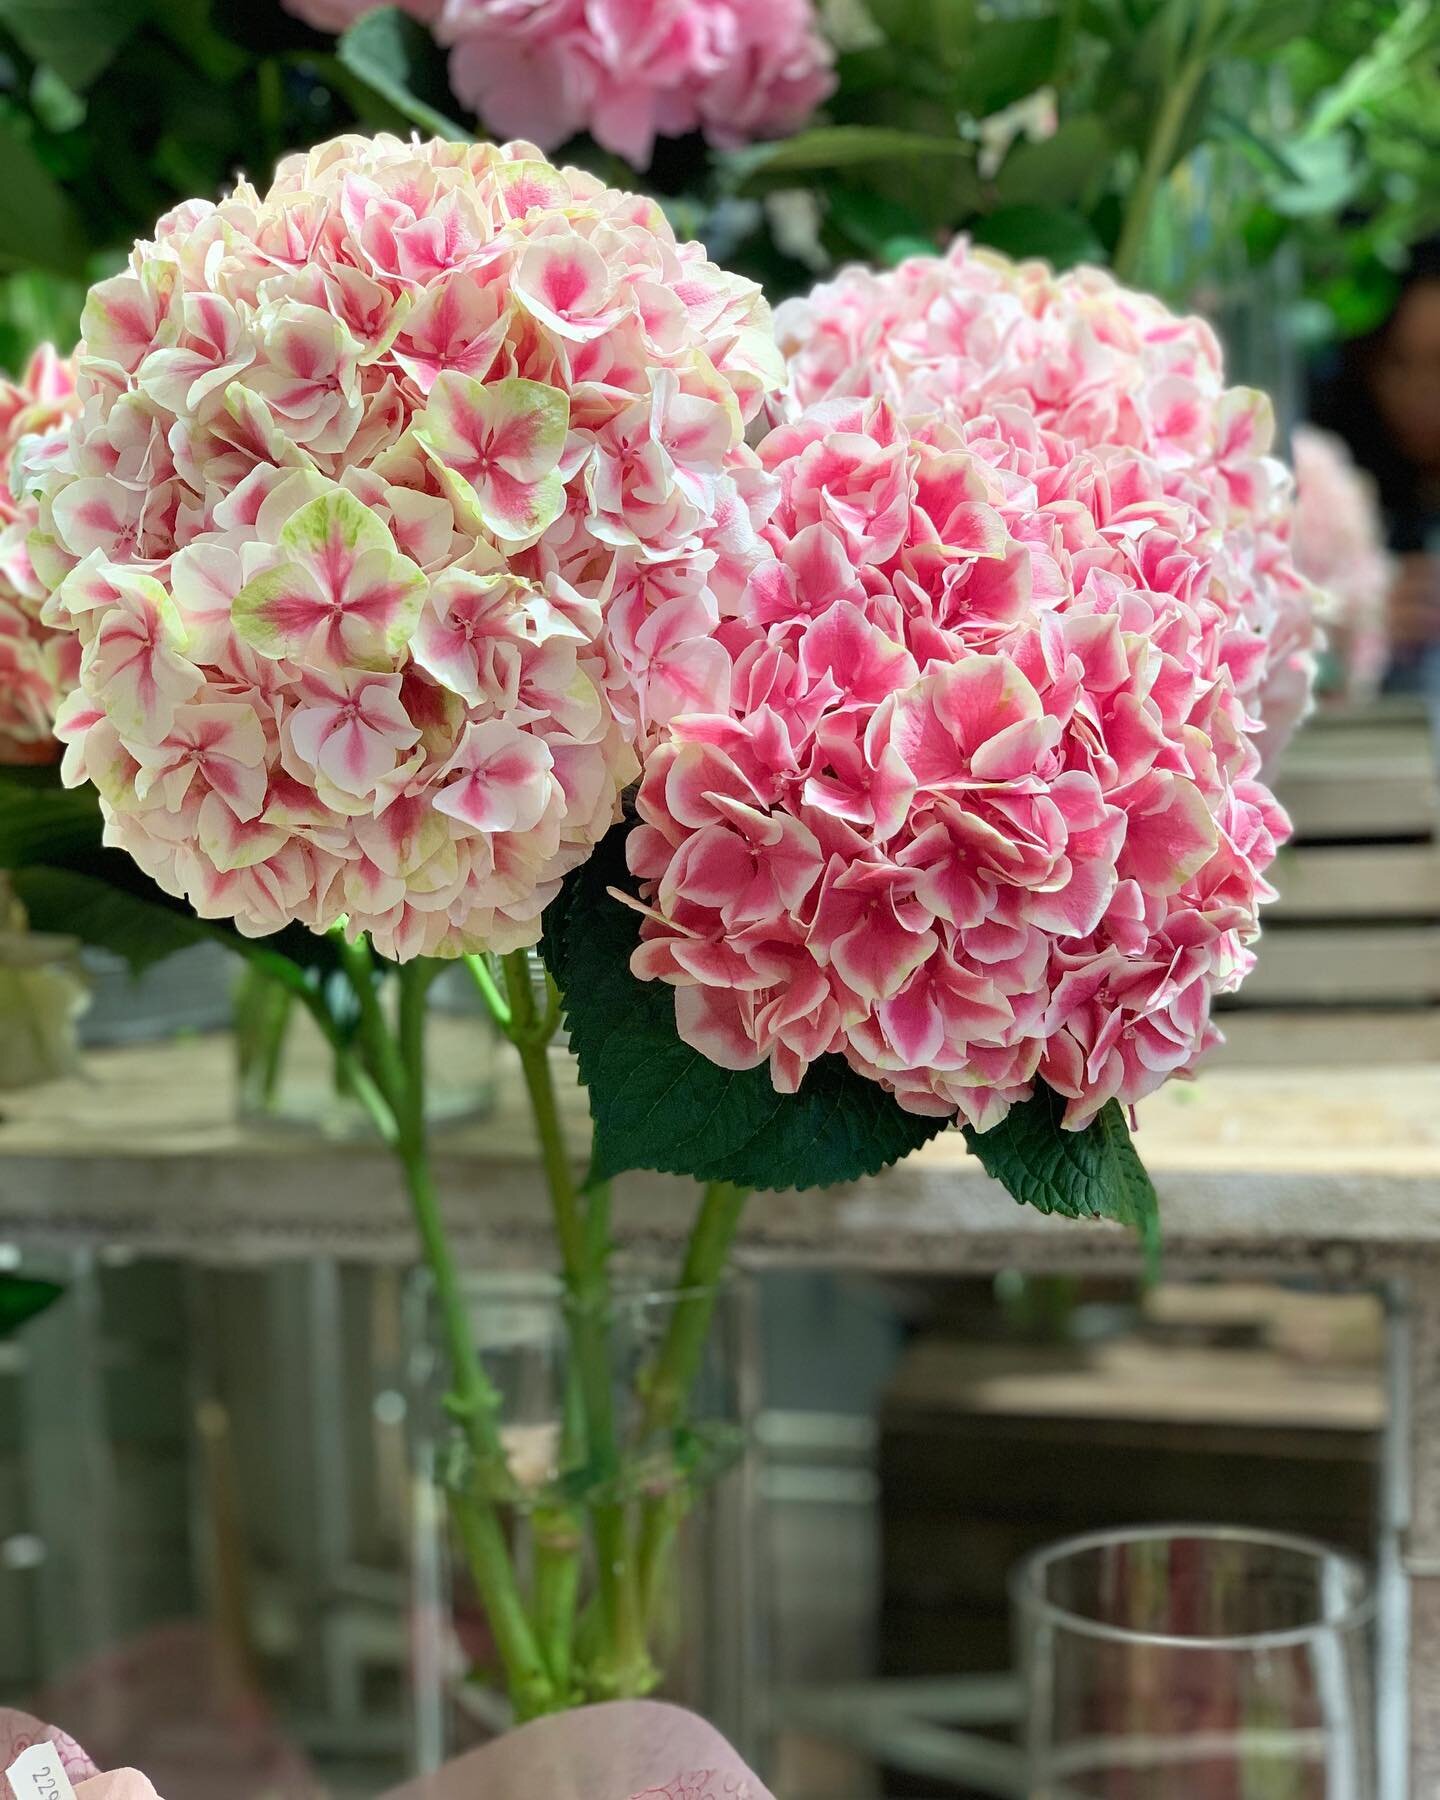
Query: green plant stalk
[667,1384]
[621,1667]
[1159,155]
[397,1077]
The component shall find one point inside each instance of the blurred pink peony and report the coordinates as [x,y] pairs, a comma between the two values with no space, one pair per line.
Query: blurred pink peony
[984,806]
[1340,546]
[627,71]
[398,518]
[38,667]
[1103,367]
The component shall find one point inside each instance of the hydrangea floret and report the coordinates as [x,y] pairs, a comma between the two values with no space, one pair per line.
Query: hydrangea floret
[38,667]
[1109,370]
[624,71]
[400,509]
[984,810]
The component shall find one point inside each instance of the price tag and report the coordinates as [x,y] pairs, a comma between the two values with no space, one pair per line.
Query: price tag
[39,1774]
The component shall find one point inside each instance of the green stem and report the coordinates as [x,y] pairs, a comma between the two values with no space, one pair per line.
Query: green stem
[1159,155]
[479,967]
[397,1072]
[666,1386]
[559,1547]
[622,1668]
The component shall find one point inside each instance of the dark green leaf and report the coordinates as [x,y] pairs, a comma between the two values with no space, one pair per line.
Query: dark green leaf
[883,229]
[1054,171]
[39,226]
[1263,152]
[1009,59]
[75,38]
[22,1299]
[848,147]
[658,1104]
[42,822]
[398,58]
[141,932]
[1062,237]
[1265,26]
[71,883]
[1089,1174]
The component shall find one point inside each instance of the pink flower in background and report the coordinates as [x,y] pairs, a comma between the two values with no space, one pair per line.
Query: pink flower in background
[38,667]
[1110,371]
[984,804]
[627,71]
[399,515]
[1340,546]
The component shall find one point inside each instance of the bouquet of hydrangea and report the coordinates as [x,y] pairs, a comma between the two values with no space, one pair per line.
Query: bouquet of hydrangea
[449,564]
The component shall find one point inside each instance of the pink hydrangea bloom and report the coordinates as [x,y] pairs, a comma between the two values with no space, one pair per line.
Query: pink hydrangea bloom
[627,71]
[1102,366]
[1340,546]
[38,667]
[398,517]
[984,806]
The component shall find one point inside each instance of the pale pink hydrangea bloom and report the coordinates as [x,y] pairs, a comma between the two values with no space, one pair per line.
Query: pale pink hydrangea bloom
[984,806]
[398,517]
[1102,366]
[38,667]
[627,71]
[1340,546]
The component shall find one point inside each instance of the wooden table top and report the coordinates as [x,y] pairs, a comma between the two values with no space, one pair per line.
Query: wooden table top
[1331,1170]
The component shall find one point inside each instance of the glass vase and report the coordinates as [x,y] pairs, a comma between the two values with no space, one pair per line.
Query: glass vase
[1212,1663]
[287,1074]
[686,1490]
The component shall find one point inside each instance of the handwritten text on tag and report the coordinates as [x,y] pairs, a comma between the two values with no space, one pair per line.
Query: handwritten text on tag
[39,1774]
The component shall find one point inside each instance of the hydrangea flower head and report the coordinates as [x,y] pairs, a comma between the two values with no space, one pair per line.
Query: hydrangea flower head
[627,71]
[984,807]
[38,667]
[400,508]
[1105,368]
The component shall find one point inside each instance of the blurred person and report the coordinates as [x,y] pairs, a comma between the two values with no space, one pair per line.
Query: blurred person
[1385,401]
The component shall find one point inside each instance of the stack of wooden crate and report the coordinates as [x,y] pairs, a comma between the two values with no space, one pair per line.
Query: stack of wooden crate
[1349,968]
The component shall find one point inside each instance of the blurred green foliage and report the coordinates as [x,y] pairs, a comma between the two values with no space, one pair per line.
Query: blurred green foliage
[1190,143]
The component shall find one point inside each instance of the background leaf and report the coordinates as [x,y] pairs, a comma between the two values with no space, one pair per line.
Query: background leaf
[845,147]
[72,883]
[87,907]
[39,225]
[398,58]
[1061,236]
[75,38]
[21,1299]
[658,1104]
[1055,170]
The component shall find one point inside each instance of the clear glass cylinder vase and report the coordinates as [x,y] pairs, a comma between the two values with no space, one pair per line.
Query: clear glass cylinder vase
[1212,1663]
[683,1481]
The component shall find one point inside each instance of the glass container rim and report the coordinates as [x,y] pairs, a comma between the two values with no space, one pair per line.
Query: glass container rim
[1357,1613]
[629,1288]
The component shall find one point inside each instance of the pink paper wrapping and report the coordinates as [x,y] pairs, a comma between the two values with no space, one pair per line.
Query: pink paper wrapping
[119,1784]
[628,1750]
[19,1732]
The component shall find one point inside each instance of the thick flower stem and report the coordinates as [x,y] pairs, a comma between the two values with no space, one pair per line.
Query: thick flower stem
[622,1665]
[666,1385]
[396,1079]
